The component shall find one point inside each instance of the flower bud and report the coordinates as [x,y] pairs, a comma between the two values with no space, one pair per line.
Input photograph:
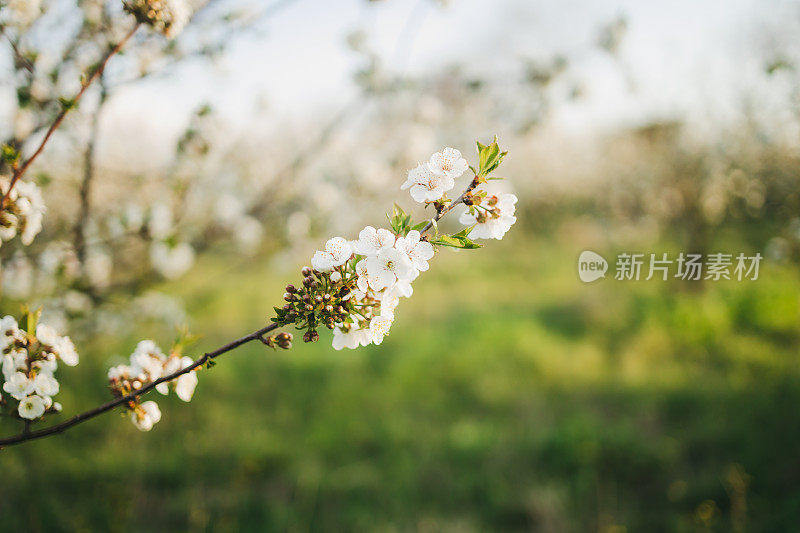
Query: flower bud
[291,289]
[307,281]
[326,297]
[329,308]
[288,296]
[309,307]
[306,271]
[284,340]
[318,299]
[287,307]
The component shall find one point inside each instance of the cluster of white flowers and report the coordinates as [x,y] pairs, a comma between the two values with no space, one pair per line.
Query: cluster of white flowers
[169,256]
[491,215]
[383,267]
[22,213]
[355,286]
[166,16]
[431,180]
[148,364]
[19,13]
[29,364]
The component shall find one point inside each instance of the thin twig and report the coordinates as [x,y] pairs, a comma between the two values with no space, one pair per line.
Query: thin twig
[442,212]
[87,415]
[19,57]
[18,172]
[88,176]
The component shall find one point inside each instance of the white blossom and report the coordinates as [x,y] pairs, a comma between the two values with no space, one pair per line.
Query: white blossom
[171,261]
[146,415]
[12,362]
[426,185]
[20,13]
[379,328]
[66,351]
[166,16]
[45,385]
[387,267]
[417,251]
[148,358]
[448,163]
[186,383]
[352,339]
[494,223]
[337,252]
[371,241]
[46,335]
[32,208]
[364,281]
[23,212]
[31,407]
[18,385]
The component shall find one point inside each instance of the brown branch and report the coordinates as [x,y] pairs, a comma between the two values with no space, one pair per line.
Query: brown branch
[19,57]
[83,417]
[18,172]
[442,212]
[88,176]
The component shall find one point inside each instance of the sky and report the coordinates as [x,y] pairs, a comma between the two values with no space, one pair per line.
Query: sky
[678,57]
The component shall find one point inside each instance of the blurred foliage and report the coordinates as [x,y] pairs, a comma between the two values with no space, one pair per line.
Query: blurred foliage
[534,402]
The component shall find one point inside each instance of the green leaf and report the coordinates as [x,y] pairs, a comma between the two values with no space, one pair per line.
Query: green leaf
[464,232]
[29,320]
[489,157]
[419,226]
[457,240]
[67,103]
[10,155]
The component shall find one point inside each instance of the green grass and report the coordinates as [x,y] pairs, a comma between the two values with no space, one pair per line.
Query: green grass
[509,396]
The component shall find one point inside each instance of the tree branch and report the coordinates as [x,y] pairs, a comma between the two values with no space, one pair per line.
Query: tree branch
[442,212]
[18,172]
[87,415]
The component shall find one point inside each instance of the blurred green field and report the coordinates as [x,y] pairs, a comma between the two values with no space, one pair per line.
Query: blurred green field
[509,396]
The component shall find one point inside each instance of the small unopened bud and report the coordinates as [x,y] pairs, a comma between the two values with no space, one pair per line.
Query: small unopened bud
[318,299]
[287,307]
[307,281]
[313,285]
[306,298]
[291,289]
[306,271]
[288,296]
[284,340]
[336,277]
[309,307]
[326,297]
[329,308]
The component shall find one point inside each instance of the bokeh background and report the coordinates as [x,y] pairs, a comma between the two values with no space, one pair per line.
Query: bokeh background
[200,174]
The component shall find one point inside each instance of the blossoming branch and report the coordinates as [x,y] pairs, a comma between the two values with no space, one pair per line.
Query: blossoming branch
[352,287]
